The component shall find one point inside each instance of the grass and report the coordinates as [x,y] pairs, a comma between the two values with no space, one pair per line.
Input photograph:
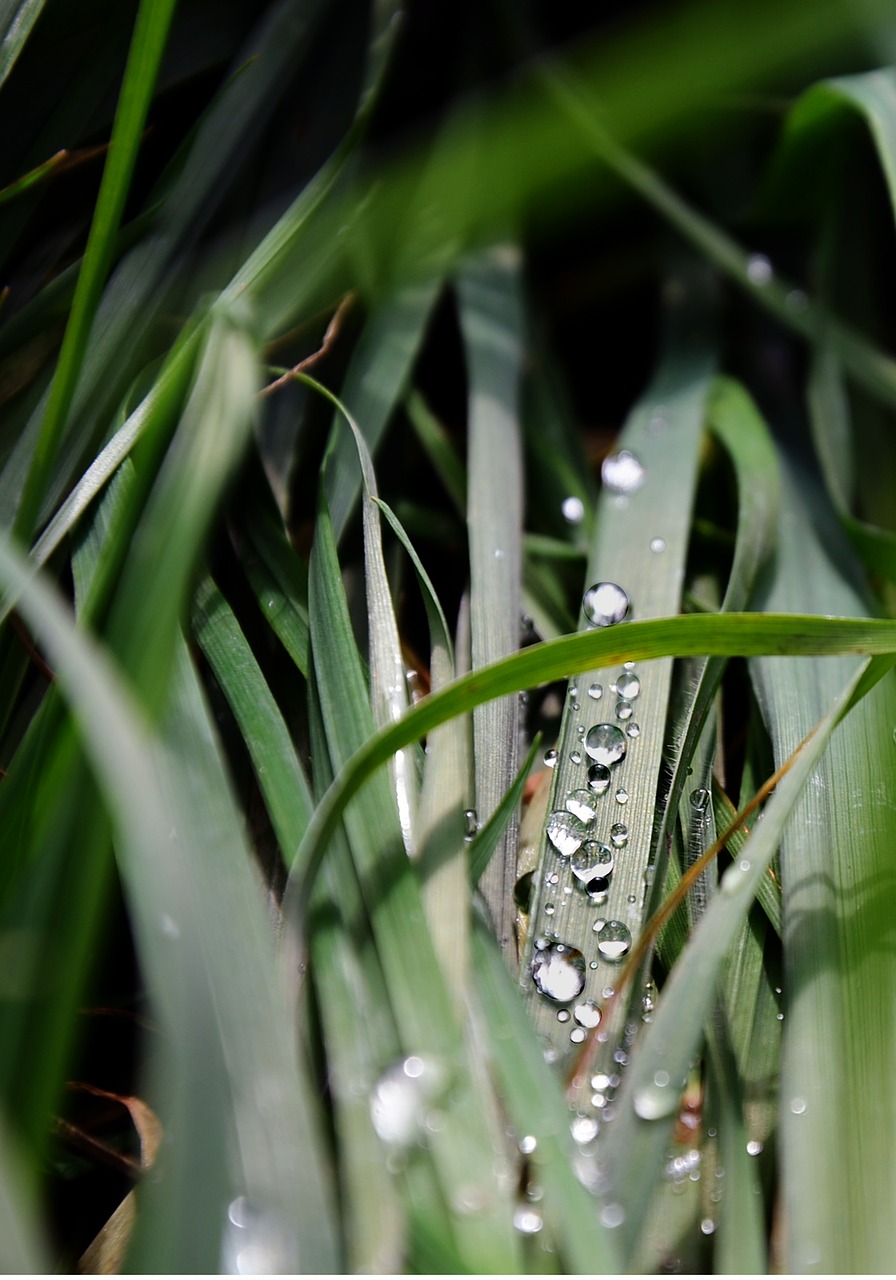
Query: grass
[341,351]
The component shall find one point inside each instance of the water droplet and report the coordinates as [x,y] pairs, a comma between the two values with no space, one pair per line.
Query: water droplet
[633,730]
[527,1144]
[528,1221]
[577,1035]
[575,757]
[655,1102]
[550,757]
[622,796]
[700,799]
[754,1148]
[658,422]
[628,685]
[559,972]
[614,940]
[402,1096]
[624,710]
[599,778]
[584,1129]
[797,300]
[593,861]
[563,1015]
[605,604]
[622,472]
[619,835]
[573,509]
[471,823]
[707,1226]
[549,908]
[798,1106]
[596,690]
[605,743]
[581,804]
[256,1241]
[499,553]
[657,546]
[587,1014]
[612,1215]
[759,269]
[565,831]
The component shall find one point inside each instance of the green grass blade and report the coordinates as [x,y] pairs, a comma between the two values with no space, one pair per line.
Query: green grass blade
[489,835]
[21,1245]
[491,319]
[17,17]
[279,580]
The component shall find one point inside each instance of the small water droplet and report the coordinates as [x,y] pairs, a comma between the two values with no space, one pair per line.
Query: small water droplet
[584,1129]
[612,1215]
[581,804]
[596,690]
[593,861]
[633,730]
[471,823]
[622,472]
[563,1015]
[658,422]
[550,757]
[759,269]
[598,778]
[628,685]
[619,834]
[527,1221]
[700,799]
[614,940]
[754,1148]
[798,1106]
[605,604]
[622,796]
[605,743]
[527,1144]
[657,546]
[624,710]
[575,757]
[565,831]
[573,509]
[559,972]
[549,908]
[577,1035]
[707,1226]
[587,1014]
[499,553]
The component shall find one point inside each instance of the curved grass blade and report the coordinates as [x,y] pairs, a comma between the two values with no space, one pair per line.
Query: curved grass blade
[17,17]
[487,838]
[491,319]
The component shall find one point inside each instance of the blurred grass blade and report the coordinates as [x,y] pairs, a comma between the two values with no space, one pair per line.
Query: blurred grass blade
[279,580]
[489,834]
[147,47]
[189,885]
[838,1169]
[21,1245]
[491,319]
[17,17]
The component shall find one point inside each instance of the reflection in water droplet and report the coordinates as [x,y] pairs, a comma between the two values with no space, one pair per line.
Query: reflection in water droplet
[598,778]
[614,940]
[759,269]
[471,823]
[628,685]
[754,1148]
[658,546]
[527,1144]
[622,796]
[619,834]
[605,743]
[596,690]
[575,757]
[587,1014]
[633,730]
[591,861]
[584,1129]
[624,710]
[558,972]
[700,799]
[565,832]
[563,1015]
[581,804]
[528,1221]
[577,1035]
[605,604]
[622,472]
[573,509]
[550,757]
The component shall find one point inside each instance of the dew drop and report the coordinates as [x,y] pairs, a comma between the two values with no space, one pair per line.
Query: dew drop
[575,757]
[559,972]
[657,546]
[573,509]
[593,860]
[577,1035]
[402,1094]
[759,269]
[628,685]
[798,1106]
[707,1226]
[581,805]
[598,778]
[656,1101]
[596,690]
[527,1144]
[624,710]
[565,831]
[754,1148]
[584,1129]
[550,757]
[605,743]
[563,1015]
[622,472]
[614,940]
[612,1215]
[622,796]
[633,730]
[471,823]
[700,799]
[619,835]
[658,422]
[587,1014]
[527,1221]
[605,604]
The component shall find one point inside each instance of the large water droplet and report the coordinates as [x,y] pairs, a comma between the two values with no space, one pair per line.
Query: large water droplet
[614,940]
[550,757]
[581,804]
[628,685]
[598,778]
[592,860]
[622,472]
[401,1097]
[700,799]
[605,604]
[558,972]
[605,743]
[566,832]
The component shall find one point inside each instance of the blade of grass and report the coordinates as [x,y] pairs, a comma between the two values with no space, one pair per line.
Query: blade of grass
[17,17]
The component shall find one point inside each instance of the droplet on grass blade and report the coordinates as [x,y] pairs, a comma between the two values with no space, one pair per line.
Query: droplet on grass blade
[605,604]
[614,940]
[558,972]
[605,744]
[622,472]
[566,832]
